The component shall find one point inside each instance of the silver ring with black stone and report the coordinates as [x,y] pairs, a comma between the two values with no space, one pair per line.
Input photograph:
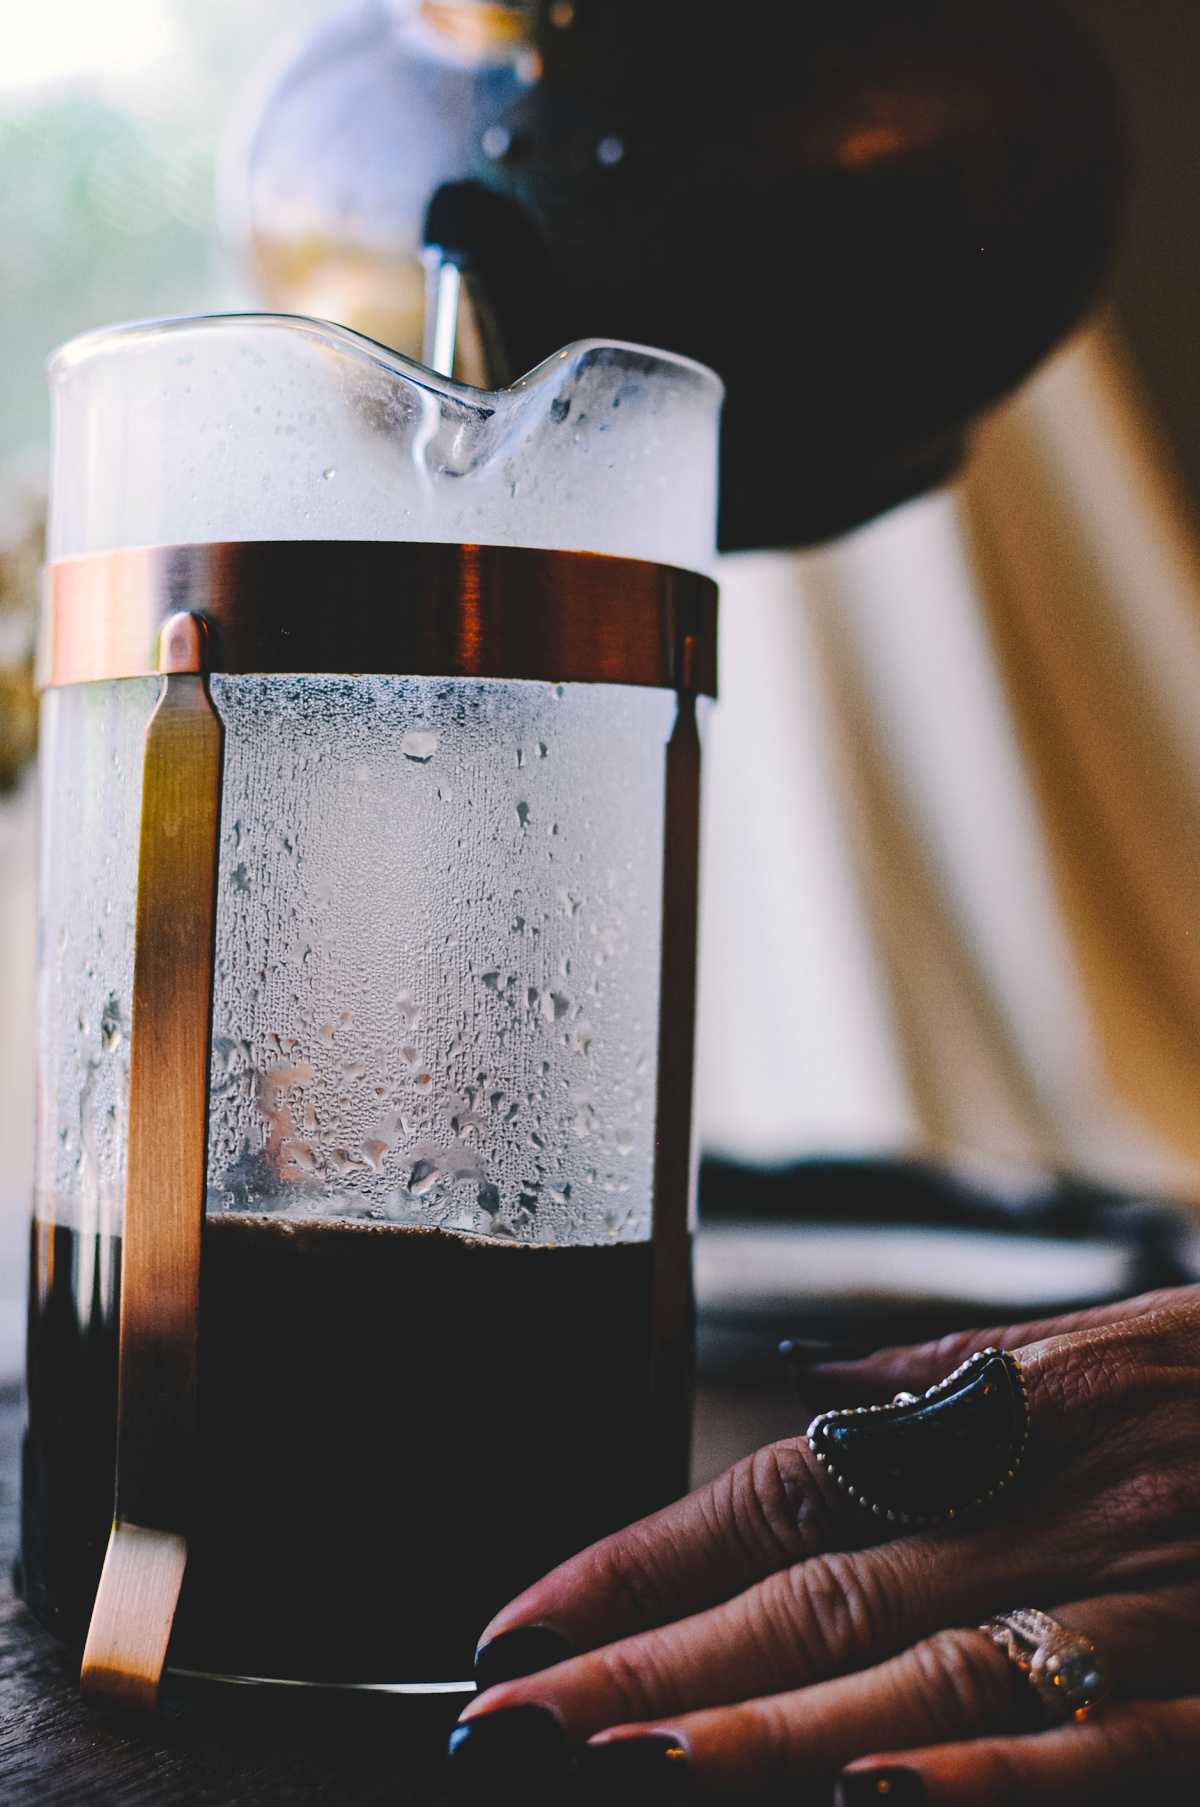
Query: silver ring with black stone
[1061,1666]
[931,1460]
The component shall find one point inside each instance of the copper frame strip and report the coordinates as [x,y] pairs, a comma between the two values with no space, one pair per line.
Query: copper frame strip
[164,1205]
[132,1618]
[672,1308]
[381,606]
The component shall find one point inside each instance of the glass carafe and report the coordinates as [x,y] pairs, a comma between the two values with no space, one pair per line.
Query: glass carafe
[370,760]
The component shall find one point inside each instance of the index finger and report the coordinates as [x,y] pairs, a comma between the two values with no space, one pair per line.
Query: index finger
[771,1510]
[918,1365]
[774,1508]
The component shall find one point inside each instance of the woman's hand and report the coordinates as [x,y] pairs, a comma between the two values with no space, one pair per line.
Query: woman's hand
[766,1628]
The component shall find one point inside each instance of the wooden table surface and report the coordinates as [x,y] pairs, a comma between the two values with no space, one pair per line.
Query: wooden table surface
[242,1749]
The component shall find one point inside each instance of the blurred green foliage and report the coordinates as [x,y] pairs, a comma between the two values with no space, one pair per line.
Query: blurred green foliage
[108,212]
[102,218]
[19,562]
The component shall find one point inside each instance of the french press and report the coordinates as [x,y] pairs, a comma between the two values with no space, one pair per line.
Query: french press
[370,793]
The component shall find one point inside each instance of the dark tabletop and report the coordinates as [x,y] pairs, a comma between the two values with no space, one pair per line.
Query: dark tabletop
[242,1749]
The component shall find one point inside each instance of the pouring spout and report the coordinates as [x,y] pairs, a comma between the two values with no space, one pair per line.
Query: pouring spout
[275,427]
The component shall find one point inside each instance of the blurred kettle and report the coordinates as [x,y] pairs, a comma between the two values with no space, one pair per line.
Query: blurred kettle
[891,208]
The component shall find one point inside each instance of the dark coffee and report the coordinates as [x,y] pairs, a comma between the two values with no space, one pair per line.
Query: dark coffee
[399,1430]
[70,1440]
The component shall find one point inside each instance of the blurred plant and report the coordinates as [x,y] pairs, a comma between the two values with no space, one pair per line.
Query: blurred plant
[107,212]
[101,218]
[20,555]
[107,207]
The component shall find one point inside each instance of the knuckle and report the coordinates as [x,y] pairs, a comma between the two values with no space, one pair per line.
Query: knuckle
[1001,1778]
[774,1740]
[966,1682]
[1073,1374]
[780,1507]
[627,1566]
[764,1626]
[1133,1364]
[1152,1742]
[1136,1743]
[844,1612]
[634,1680]
[1166,1497]
[768,1511]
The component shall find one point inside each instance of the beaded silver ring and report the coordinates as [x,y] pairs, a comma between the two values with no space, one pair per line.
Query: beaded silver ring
[1061,1666]
[930,1460]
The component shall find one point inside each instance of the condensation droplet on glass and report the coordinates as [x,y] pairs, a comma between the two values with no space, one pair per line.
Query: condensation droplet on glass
[110,1023]
[408,888]
[419,746]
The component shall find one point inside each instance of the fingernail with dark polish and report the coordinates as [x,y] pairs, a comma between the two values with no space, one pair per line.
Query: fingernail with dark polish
[652,1769]
[807,1351]
[870,1787]
[527,1650]
[518,1746]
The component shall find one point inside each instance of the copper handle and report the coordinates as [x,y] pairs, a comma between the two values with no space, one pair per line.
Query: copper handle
[164,1203]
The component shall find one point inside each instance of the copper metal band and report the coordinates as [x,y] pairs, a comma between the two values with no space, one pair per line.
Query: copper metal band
[352,606]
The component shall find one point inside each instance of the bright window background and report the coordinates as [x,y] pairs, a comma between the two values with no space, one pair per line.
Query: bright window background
[112,117]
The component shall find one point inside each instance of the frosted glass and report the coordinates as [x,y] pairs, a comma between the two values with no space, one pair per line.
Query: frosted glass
[439,901]
[438,940]
[253,427]
[91,776]
[438,944]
